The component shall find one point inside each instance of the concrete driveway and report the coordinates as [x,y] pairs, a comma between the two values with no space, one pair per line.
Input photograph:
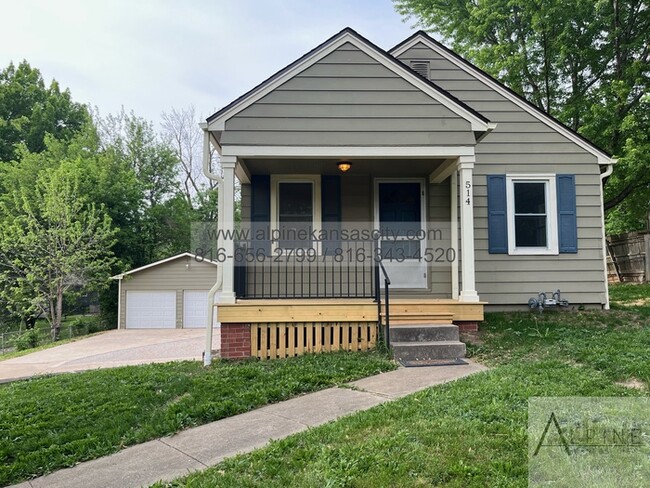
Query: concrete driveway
[111,349]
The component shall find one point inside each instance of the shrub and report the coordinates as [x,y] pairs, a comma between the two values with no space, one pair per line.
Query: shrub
[86,325]
[27,340]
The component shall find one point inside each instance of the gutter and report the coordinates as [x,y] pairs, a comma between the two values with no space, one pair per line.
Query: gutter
[603,176]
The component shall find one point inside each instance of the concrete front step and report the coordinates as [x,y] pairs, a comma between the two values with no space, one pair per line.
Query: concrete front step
[424,333]
[413,351]
[408,318]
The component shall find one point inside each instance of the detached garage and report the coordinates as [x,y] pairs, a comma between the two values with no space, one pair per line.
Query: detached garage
[168,294]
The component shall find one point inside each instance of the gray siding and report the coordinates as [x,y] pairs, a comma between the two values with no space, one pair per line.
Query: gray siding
[181,274]
[523,144]
[347,99]
[438,216]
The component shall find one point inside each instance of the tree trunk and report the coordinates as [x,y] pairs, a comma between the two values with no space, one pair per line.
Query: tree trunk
[58,314]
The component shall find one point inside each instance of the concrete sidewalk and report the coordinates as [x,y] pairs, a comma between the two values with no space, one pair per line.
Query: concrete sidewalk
[198,448]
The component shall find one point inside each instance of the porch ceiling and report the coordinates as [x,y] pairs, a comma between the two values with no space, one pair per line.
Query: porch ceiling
[376,167]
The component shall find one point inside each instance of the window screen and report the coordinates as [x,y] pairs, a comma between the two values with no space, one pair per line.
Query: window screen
[530,214]
[296,214]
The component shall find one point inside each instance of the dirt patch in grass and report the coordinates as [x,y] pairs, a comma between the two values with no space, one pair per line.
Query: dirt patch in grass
[636,303]
[632,383]
[474,338]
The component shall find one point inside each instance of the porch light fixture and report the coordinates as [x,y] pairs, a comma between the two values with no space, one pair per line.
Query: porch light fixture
[344,166]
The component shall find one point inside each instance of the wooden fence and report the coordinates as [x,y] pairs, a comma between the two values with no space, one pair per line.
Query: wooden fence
[627,257]
[276,341]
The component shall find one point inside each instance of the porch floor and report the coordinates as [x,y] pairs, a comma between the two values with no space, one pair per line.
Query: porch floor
[346,310]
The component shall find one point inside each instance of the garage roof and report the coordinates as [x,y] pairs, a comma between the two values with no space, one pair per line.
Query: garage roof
[162,261]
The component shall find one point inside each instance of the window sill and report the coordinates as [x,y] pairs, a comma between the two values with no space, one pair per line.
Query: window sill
[533,251]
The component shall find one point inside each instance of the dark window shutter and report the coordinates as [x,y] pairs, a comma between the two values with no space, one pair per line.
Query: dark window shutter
[497,215]
[566,213]
[331,211]
[261,212]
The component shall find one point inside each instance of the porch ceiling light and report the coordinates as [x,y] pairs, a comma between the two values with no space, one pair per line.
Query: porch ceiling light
[344,166]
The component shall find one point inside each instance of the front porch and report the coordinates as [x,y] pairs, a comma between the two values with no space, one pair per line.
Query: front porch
[284,296]
[280,328]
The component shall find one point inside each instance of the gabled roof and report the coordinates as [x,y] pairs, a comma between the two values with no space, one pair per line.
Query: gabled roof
[478,122]
[162,261]
[549,120]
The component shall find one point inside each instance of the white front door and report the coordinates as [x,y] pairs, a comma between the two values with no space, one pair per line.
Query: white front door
[400,218]
[150,309]
[195,304]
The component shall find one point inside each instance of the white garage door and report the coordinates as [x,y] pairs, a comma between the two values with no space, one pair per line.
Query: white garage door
[150,309]
[194,309]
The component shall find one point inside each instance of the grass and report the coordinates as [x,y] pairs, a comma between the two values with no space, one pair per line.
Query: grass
[471,433]
[54,422]
[42,347]
[73,328]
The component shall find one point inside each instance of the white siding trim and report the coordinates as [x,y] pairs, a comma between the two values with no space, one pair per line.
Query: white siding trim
[219,123]
[604,238]
[166,260]
[552,246]
[348,151]
[501,90]
[119,304]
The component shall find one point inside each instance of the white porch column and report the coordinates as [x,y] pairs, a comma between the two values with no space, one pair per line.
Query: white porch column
[228,164]
[466,166]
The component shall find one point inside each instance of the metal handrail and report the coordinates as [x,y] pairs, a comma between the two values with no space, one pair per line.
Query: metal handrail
[322,269]
[380,266]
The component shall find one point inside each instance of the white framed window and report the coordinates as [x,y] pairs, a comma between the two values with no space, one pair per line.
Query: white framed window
[295,210]
[532,214]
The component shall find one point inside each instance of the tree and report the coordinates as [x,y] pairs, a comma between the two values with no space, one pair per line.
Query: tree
[54,243]
[29,110]
[586,62]
[106,180]
[181,130]
[132,140]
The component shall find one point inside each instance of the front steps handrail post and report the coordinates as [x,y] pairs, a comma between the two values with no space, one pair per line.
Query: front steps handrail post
[387,306]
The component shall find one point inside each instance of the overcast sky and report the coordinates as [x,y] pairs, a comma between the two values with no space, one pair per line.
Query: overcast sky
[149,56]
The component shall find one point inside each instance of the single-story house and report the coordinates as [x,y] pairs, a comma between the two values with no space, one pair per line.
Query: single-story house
[358,164]
[169,294]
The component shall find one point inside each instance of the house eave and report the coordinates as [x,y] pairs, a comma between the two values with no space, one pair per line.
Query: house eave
[162,261]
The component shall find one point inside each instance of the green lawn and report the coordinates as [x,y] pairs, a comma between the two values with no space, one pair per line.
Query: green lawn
[54,422]
[42,347]
[73,327]
[471,433]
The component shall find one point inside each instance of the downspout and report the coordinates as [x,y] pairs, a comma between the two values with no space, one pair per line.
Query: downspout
[207,355]
[607,173]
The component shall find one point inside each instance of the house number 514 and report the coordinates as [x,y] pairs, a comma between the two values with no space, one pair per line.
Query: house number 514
[468,192]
